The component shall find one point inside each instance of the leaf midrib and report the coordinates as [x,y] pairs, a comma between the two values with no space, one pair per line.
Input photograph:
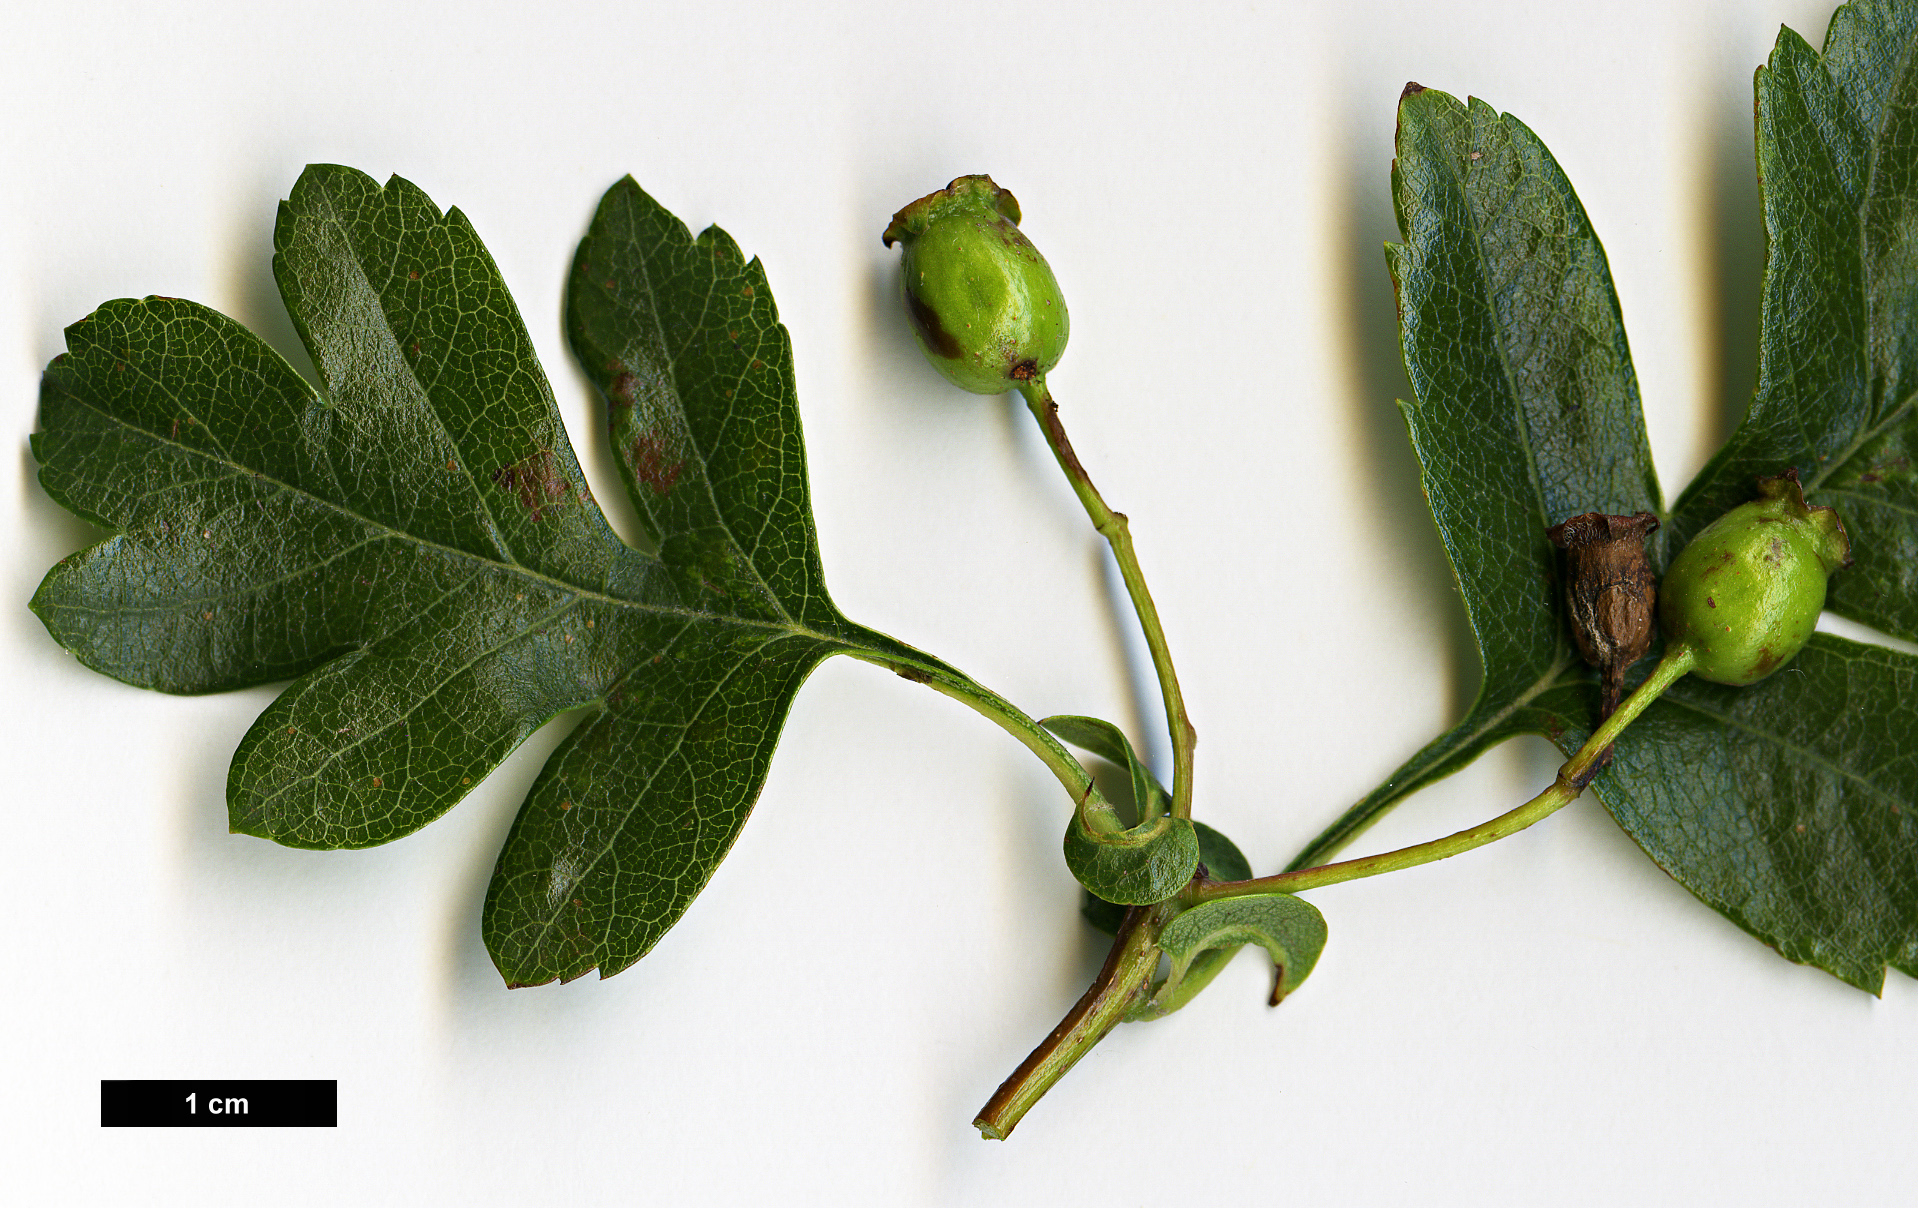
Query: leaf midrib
[1870,501]
[514,568]
[1806,754]
[1864,438]
[1865,276]
[1561,659]
[543,926]
[174,603]
[1898,75]
[666,351]
[1485,286]
[358,262]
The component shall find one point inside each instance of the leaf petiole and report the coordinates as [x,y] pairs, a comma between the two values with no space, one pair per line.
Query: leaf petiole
[1114,527]
[1002,712]
[1572,779]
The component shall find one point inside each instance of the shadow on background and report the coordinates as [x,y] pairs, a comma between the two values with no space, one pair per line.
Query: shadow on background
[1736,266]
[1367,305]
[245,275]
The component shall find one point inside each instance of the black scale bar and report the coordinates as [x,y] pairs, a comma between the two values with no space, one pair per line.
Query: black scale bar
[241,1103]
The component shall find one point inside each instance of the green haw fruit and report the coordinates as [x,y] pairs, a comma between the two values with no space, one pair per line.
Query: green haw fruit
[1744,596]
[982,300]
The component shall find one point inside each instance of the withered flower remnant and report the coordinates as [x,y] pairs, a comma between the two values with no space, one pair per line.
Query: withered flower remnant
[1610,593]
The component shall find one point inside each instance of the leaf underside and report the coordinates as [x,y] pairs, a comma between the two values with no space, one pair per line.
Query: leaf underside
[1525,408]
[414,545]
[1838,345]
[1147,863]
[1788,806]
[1290,929]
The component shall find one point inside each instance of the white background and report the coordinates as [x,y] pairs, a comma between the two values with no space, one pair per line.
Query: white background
[1550,1020]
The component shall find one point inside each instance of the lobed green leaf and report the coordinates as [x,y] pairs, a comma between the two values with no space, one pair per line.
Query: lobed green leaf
[414,543]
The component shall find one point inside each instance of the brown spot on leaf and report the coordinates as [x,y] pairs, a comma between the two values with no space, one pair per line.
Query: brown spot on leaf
[566,805]
[413,275]
[536,481]
[746,292]
[621,392]
[378,783]
[652,462]
[1878,473]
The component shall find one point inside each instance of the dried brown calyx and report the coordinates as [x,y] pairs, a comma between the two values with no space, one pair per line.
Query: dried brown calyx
[1610,593]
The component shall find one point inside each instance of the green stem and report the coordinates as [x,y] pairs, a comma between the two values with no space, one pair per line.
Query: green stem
[1127,972]
[1572,779]
[1006,715]
[1437,759]
[1114,527]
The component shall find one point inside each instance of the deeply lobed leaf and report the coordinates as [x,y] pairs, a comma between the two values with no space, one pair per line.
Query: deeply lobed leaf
[414,542]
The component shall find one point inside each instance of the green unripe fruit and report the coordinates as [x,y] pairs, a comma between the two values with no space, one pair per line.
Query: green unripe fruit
[982,300]
[1745,595]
